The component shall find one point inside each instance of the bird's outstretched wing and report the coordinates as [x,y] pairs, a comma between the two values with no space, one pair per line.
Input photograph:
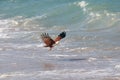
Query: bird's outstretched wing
[60,36]
[47,39]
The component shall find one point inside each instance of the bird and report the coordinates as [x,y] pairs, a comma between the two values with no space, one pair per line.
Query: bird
[49,42]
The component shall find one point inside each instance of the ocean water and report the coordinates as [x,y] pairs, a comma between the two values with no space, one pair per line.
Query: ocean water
[90,51]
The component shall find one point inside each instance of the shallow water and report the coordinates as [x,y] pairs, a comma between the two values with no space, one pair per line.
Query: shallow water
[90,51]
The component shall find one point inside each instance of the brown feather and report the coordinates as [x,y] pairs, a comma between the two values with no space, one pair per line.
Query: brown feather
[47,40]
[58,38]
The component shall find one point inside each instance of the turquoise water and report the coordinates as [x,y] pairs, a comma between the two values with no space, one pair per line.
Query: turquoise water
[57,12]
[90,51]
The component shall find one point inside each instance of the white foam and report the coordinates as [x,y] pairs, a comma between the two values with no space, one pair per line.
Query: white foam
[4,35]
[5,28]
[14,22]
[109,14]
[2,76]
[59,55]
[91,59]
[40,45]
[4,22]
[117,66]
[82,4]
[2,29]
[20,46]
[64,74]
[83,49]
[94,17]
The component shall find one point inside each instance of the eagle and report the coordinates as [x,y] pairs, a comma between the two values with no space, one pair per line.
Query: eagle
[49,42]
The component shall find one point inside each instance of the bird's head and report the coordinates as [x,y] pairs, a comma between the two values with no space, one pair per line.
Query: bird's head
[57,42]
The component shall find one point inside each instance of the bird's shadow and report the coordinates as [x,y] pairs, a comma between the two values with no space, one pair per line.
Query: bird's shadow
[73,59]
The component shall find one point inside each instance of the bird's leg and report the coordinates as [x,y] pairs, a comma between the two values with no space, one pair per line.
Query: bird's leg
[51,48]
[45,46]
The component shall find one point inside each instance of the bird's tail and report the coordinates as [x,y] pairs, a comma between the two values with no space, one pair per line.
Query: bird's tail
[60,36]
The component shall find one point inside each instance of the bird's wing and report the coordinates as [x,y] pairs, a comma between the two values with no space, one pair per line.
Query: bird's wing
[60,36]
[47,39]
